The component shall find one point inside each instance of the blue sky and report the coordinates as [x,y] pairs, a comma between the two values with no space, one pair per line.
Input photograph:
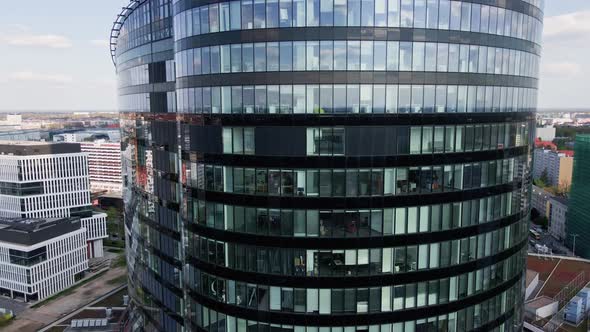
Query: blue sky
[55,55]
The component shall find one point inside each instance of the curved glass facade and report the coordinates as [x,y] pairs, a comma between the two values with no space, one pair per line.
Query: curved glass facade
[328,165]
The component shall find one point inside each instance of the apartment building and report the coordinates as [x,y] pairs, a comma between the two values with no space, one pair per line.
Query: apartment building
[559,166]
[104,166]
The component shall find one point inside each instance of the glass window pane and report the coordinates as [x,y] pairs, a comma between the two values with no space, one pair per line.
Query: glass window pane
[247,14]
[419,13]
[353,55]
[326,12]
[366,55]
[286,56]
[354,12]
[367,12]
[313,13]
[326,55]
[285,13]
[340,12]
[393,13]
[407,13]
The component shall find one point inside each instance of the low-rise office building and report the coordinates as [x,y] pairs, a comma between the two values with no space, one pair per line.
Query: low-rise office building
[41,257]
[49,180]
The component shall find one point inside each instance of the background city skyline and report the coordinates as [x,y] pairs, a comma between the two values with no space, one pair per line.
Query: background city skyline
[56,56]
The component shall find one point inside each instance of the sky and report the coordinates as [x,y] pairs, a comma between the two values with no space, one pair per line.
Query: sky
[54,55]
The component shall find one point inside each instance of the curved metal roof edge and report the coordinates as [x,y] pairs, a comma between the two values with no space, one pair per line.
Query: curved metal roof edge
[118,24]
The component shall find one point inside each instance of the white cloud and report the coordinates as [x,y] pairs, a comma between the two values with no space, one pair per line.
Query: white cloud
[29,76]
[17,27]
[563,69]
[100,42]
[567,26]
[36,40]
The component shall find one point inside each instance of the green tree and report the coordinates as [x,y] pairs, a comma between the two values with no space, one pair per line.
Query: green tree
[543,180]
[114,224]
[542,221]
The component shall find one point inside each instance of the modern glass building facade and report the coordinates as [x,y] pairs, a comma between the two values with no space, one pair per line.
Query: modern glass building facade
[578,216]
[328,165]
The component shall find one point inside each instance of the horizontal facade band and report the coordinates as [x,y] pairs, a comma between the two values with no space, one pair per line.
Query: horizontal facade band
[356,33]
[354,242]
[338,203]
[352,282]
[353,319]
[516,5]
[484,328]
[346,77]
[356,162]
[359,119]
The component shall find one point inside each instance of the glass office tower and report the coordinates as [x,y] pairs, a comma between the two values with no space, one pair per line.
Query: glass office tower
[328,165]
[578,217]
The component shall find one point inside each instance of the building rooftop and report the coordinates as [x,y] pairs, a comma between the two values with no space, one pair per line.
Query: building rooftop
[29,231]
[567,153]
[530,276]
[558,271]
[545,144]
[540,302]
[559,199]
[29,148]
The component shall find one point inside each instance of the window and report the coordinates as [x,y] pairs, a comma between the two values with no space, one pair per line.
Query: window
[354,12]
[432,14]
[313,13]
[419,13]
[340,13]
[367,12]
[238,140]
[285,13]
[407,13]
[393,13]
[326,12]
[405,56]
[325,141]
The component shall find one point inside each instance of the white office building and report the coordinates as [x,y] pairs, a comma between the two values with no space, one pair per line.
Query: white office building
[104,166]
[49,180]
[41,257]
[545,133]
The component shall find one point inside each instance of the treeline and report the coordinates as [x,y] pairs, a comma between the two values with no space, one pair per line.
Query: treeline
[571,132]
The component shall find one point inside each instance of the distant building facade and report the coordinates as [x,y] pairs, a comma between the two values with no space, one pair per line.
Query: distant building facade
[557,215]
[578,221]
[104,166]
[41,257]
[49,180]
[539,199]
[546,133]
[559,167]
[20,135]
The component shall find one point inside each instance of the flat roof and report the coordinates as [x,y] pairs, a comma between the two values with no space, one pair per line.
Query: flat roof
[557,271]
[559,199]
[539,302]
[530,275]
[30,231]
[29,148]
